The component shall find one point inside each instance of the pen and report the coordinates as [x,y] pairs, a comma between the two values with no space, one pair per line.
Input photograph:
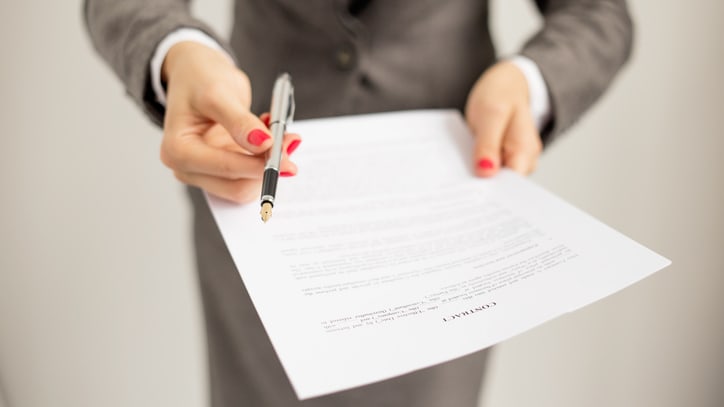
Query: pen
[282,112]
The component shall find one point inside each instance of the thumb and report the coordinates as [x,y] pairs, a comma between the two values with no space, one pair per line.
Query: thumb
[244,127]
[488,125]
[522,144]
[204,85]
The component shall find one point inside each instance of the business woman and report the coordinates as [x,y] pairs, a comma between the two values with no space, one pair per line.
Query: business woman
[346,57]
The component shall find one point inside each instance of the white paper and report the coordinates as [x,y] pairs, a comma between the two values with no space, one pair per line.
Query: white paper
[385,254]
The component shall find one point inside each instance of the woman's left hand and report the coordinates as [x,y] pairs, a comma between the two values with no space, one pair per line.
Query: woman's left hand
[499,116]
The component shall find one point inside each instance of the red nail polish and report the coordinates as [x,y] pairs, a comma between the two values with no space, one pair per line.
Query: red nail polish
[286,174]
[486,164]
[293,146]
[265,119]
[257,137]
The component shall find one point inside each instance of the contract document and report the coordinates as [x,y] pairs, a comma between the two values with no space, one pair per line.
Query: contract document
[385,254]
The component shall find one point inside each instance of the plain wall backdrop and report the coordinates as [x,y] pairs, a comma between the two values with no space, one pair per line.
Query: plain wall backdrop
[98,298]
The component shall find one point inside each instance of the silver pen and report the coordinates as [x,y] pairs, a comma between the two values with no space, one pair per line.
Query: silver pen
[281,112]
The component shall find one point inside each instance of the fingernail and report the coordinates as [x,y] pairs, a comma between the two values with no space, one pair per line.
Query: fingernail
[257,137]
[286,174]
[293,146]
[265,119]
[486,164]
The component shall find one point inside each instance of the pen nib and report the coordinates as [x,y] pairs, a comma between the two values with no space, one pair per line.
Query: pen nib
[266,211]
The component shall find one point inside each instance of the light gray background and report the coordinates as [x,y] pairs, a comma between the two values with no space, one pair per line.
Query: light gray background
[98,299]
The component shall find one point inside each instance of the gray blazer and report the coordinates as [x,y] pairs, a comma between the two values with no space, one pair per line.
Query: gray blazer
[353,56]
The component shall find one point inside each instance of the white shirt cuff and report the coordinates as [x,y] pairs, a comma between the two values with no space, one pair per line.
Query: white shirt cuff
[159,55]
[540,101]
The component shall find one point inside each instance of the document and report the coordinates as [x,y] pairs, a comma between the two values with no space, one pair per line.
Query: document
[386,254]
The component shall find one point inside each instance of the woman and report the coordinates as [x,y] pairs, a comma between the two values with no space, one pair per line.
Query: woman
[346,57]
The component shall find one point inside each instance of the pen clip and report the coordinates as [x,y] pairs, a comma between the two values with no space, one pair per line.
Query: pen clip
[291,107]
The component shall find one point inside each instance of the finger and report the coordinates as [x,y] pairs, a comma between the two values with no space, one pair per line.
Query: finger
[291,143]
[522,145]
[243,126]
[218,137]
[287,168]
[488,123]
[265,118]
[194,156]
[239,191]
[521,163]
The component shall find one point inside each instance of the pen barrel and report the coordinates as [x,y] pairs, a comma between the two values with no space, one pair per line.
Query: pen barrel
[281,112]
[275,154]
[269,185]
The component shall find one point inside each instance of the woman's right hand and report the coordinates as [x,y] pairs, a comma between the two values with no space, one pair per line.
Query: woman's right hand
[211,139]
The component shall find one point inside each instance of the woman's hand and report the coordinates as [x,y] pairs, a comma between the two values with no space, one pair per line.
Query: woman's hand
[211,140]
[498,114]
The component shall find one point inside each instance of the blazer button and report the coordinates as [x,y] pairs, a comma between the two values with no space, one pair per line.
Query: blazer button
[345,57]
[365,81]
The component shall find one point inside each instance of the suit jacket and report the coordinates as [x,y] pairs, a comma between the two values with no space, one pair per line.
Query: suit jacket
[353,56]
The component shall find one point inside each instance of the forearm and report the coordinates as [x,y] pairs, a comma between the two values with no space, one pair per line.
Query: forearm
[581,47]
[126,33]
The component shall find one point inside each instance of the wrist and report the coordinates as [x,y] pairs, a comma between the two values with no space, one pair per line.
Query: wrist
[539,100]
[186,53]
[515,80]
[175,54]
[501,87]
[177,36]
